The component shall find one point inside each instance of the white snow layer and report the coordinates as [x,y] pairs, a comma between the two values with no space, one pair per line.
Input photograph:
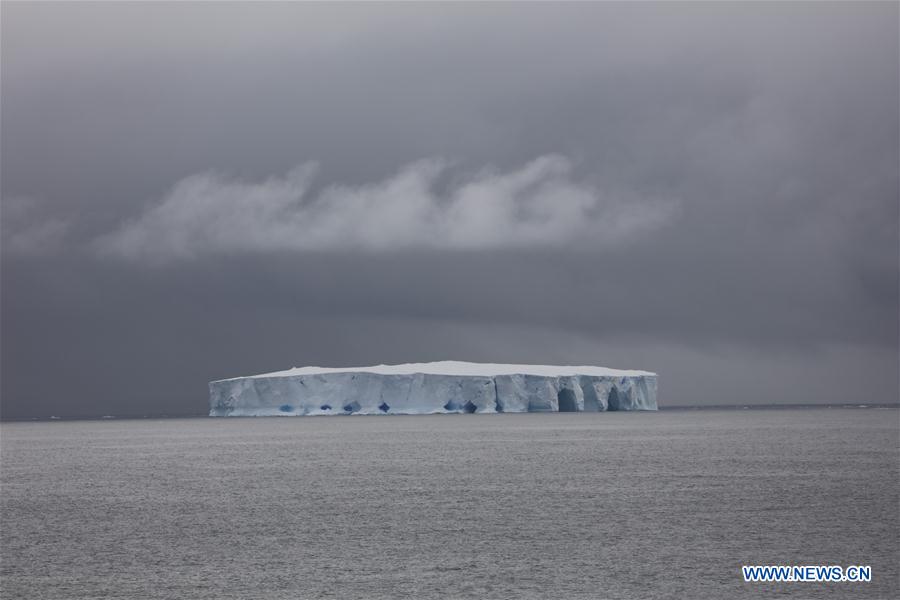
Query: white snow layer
[438,387]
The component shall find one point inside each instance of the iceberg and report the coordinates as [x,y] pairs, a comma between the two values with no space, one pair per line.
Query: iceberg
[430,388]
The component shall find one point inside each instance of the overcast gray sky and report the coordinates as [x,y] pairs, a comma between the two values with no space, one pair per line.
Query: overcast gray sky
[199,191]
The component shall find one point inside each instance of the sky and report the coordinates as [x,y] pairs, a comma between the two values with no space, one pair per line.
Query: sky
[205,190]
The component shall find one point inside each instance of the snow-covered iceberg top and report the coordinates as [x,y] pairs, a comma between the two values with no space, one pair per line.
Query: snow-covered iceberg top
[460,369]
[438,387]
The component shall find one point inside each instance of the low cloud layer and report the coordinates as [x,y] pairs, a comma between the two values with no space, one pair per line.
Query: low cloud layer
[426,204]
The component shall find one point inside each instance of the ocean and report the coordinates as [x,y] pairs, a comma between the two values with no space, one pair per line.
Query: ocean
[659,505]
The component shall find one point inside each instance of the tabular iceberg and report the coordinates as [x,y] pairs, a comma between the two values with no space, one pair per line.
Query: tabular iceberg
[428,388]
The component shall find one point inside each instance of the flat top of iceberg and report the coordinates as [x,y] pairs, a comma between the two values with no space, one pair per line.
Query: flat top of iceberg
[459,368]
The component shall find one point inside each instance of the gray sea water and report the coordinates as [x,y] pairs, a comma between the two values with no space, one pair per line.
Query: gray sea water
[614,505]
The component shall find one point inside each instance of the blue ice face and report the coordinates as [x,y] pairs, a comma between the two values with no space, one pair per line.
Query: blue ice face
[452,405]
[341,393]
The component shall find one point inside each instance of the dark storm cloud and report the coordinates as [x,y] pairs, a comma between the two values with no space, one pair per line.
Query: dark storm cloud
[738,164]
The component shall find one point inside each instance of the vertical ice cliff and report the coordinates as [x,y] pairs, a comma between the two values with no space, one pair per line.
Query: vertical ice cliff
[438,387]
